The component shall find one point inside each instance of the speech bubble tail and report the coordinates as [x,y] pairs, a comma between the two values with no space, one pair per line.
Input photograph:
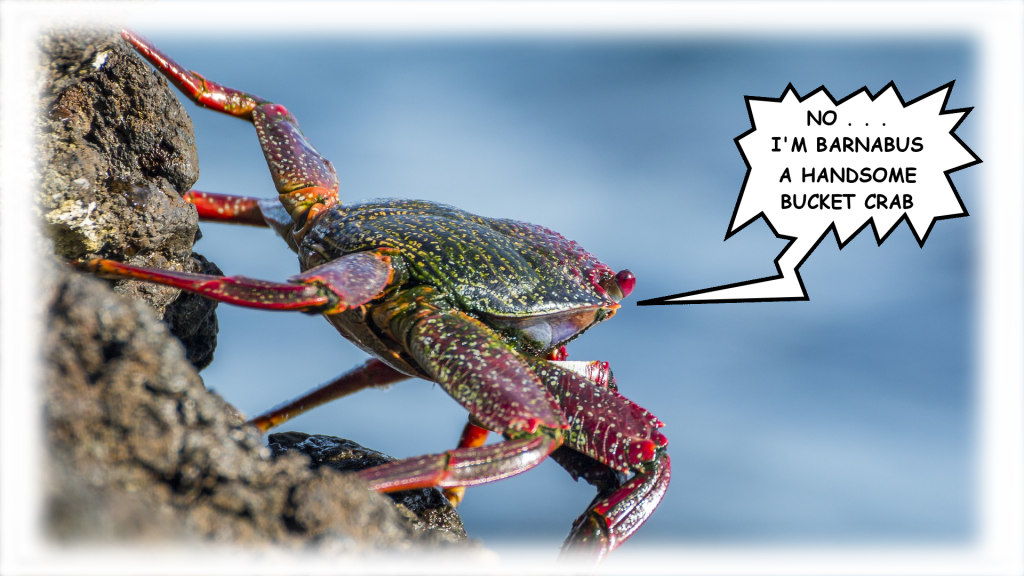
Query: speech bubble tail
[785,286]
[771,289]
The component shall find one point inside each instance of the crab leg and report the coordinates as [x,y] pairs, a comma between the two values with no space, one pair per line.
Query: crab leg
[611,519]
[202,91]
[227,208]
[244,210]
[462,466]
[336,286]
[472,436]
[370,374]
[480,372]
[305,180]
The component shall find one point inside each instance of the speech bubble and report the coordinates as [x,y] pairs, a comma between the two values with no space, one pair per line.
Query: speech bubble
[816,165]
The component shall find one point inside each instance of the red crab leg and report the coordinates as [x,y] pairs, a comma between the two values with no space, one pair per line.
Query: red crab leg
[471,363]
[202,91]
[462,466]
[347,282]
[479,371]
[473,436]
[244,210]
[370,374]
[306,181]
[610,520]
[226,208]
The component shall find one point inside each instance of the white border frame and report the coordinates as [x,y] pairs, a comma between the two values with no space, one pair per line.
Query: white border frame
[996,28]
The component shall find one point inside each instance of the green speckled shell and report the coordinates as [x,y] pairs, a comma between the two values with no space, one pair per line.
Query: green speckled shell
[488,266]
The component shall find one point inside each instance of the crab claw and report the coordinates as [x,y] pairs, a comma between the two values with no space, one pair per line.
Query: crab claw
[612,518]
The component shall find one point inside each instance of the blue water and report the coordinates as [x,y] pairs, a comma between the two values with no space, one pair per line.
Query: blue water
[846,419]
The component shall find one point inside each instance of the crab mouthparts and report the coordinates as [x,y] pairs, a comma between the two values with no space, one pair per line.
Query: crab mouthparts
[549,330]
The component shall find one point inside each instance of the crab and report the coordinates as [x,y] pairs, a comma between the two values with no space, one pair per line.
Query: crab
[484,307]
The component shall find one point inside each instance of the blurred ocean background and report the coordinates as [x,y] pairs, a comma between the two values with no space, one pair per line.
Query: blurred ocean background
[845,420]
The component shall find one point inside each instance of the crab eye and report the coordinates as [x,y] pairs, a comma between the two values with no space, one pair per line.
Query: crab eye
[626,281]
[619,286]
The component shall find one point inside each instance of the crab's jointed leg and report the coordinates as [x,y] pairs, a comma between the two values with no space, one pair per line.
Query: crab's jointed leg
[336,286]
[305,180]
[480,372]
[462,466]
[370,374]
[202,91]
[538,406]
[614,517]
[472,436]
[244,210]
[226,208]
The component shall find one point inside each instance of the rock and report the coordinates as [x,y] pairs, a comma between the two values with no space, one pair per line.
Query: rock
[193,319]
[139,448]
[428,508]
[117,154]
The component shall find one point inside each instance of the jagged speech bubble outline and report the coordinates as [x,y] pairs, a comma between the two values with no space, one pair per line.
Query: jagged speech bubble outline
[806,230]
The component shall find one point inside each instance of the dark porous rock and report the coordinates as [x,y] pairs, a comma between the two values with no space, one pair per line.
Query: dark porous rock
[429,508]
[117,153]
[141,450]
[193,319]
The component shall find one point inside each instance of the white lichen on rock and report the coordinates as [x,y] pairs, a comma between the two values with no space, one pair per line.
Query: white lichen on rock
[74,229]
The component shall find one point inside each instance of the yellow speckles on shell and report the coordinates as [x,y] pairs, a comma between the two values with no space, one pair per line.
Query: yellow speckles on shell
[494,267]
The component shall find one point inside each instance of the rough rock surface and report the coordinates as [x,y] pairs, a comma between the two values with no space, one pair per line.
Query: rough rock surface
[139,449]
[117,153]
[142,449]
[426,508]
